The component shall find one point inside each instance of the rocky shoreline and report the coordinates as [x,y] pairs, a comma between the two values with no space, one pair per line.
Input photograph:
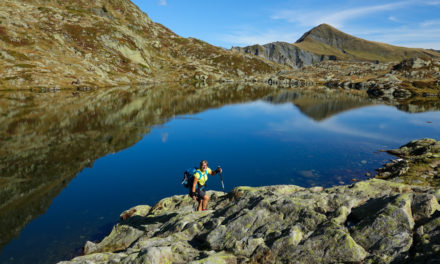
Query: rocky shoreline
[373,221]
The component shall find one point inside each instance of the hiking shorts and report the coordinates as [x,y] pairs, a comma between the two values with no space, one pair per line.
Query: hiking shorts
[200,194]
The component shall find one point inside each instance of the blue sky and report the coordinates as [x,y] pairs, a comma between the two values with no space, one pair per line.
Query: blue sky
[229,23]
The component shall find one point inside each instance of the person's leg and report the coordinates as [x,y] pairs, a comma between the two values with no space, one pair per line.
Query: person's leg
[199,208]
[205,201]
[199,196]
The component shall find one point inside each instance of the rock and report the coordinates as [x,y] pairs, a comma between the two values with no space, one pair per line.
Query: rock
[316,189]
[283,53]
[320,247]
[120,238]
[414,63]
[418,164]
[151,255]
[98,258]
[427,242]
[217,258]
[424,206]
[369,221]
[127,214]
[387,233]
[89,248]
[401,94]
[393,169]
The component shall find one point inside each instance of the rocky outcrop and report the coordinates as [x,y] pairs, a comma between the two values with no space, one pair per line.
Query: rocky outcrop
[374,221]
[418,163]
[396,83]
[283,53]
[418,69]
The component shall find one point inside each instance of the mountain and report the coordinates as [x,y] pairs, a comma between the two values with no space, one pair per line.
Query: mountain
[58,44]
[325,42]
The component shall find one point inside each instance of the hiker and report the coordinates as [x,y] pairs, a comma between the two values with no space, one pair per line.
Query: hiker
[197,190]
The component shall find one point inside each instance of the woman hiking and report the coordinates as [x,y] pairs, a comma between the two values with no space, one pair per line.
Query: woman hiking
[197,191]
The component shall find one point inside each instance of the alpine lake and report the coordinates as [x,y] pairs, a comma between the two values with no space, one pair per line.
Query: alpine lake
[71,163]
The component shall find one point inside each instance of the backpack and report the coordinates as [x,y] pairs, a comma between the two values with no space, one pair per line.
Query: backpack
[188,177]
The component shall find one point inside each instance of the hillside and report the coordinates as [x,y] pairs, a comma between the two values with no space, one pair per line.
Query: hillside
[57,44]
[325,42]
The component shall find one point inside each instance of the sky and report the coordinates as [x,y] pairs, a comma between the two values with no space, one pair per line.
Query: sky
[228,23]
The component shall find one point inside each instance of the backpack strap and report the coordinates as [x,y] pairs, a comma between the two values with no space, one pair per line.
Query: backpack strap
[201,175]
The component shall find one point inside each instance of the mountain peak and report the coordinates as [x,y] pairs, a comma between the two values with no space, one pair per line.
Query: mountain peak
[324,26]
[323,33]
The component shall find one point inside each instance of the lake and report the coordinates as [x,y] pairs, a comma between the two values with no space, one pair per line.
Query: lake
[70,165]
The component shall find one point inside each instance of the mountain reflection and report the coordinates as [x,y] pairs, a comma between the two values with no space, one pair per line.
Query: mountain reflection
[320,105]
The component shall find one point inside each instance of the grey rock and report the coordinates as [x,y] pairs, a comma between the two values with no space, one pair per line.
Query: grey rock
[369,221]
[386,233]
[283,53]
[424,206]
[427,242]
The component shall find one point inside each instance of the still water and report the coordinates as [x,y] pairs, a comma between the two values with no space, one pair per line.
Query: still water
[70,166]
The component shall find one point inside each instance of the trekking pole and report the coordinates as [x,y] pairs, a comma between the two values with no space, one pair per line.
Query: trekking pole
[221,178]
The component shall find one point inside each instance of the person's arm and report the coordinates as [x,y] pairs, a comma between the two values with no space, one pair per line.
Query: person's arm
[216,171]
[193,188]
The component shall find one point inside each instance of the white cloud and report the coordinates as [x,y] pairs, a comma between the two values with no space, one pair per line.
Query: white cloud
[393,18]
[240,38]
[163,2]
[429,23]
[433,3]
[409,36]
[353,131]
[249,109]
[335,18]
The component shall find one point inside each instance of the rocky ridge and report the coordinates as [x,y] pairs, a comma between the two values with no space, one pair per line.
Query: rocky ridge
[373,221]
[284,53]
[325,42]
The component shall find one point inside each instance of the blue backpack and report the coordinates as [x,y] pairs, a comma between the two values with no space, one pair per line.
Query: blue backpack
[188,177]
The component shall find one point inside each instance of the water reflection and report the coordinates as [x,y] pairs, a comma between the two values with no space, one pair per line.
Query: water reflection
[47,139]
[321,104]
